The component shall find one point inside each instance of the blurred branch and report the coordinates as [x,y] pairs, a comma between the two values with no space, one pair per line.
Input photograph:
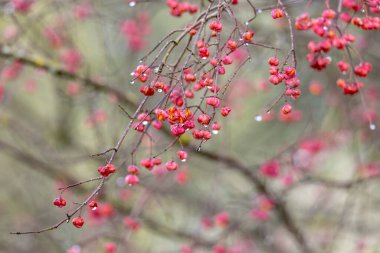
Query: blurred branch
[38,63]
[249,173]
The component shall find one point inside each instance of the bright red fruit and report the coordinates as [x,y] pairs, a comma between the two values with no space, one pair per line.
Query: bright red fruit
[132,180]
[225,111]
[277,13]
[110,247]
[93,205]
[182,155]
[106,170]
[133,169]
[216,26]
[248,36]
[222,219]
[171,165]
[286,109]
[270,169]
[78,222]
[59,202]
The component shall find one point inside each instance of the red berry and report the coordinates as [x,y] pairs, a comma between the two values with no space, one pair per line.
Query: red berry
[170,166]
[248,36]
[232,45]
[270,169]
[147,163]
[206,135]
[216,26]
[215,128]
[93,205]
[225,111]
[131,180]
[157,161]
[110,247]
[277,13]
[286,109]
[213,101]
[78,222]
[182,155]
[106,170]
[131,223]
[275,79]
[190,77]
[226,60]
[159,86]
[177,130]
[133,169]
[273,61]
[147,91]
[197,134]
[222,219]
[59,202]
[343,66]
[203,52]
[157,124]
[329,14]
[204,119]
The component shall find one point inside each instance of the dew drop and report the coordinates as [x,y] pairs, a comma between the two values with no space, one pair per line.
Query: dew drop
[132,73]
[215,131]
[259,11]
[329,58]
[183,160]
[363,10]
[246,23]
[156,70]
[132,4]
[204,58]
[325,28]
[145,122]
[198,149]
[132,82]
[140,61]
[241,39]
[94,208]
[159,90]
[372,126]
[258,118]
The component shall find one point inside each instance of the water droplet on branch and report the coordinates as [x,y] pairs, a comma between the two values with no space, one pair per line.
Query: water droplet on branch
[258,118]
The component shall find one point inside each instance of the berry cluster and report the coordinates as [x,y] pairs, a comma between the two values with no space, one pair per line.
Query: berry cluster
[178,8]
[135,32]
[328,28]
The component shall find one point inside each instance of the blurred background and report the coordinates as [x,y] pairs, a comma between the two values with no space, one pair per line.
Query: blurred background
[52,121]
